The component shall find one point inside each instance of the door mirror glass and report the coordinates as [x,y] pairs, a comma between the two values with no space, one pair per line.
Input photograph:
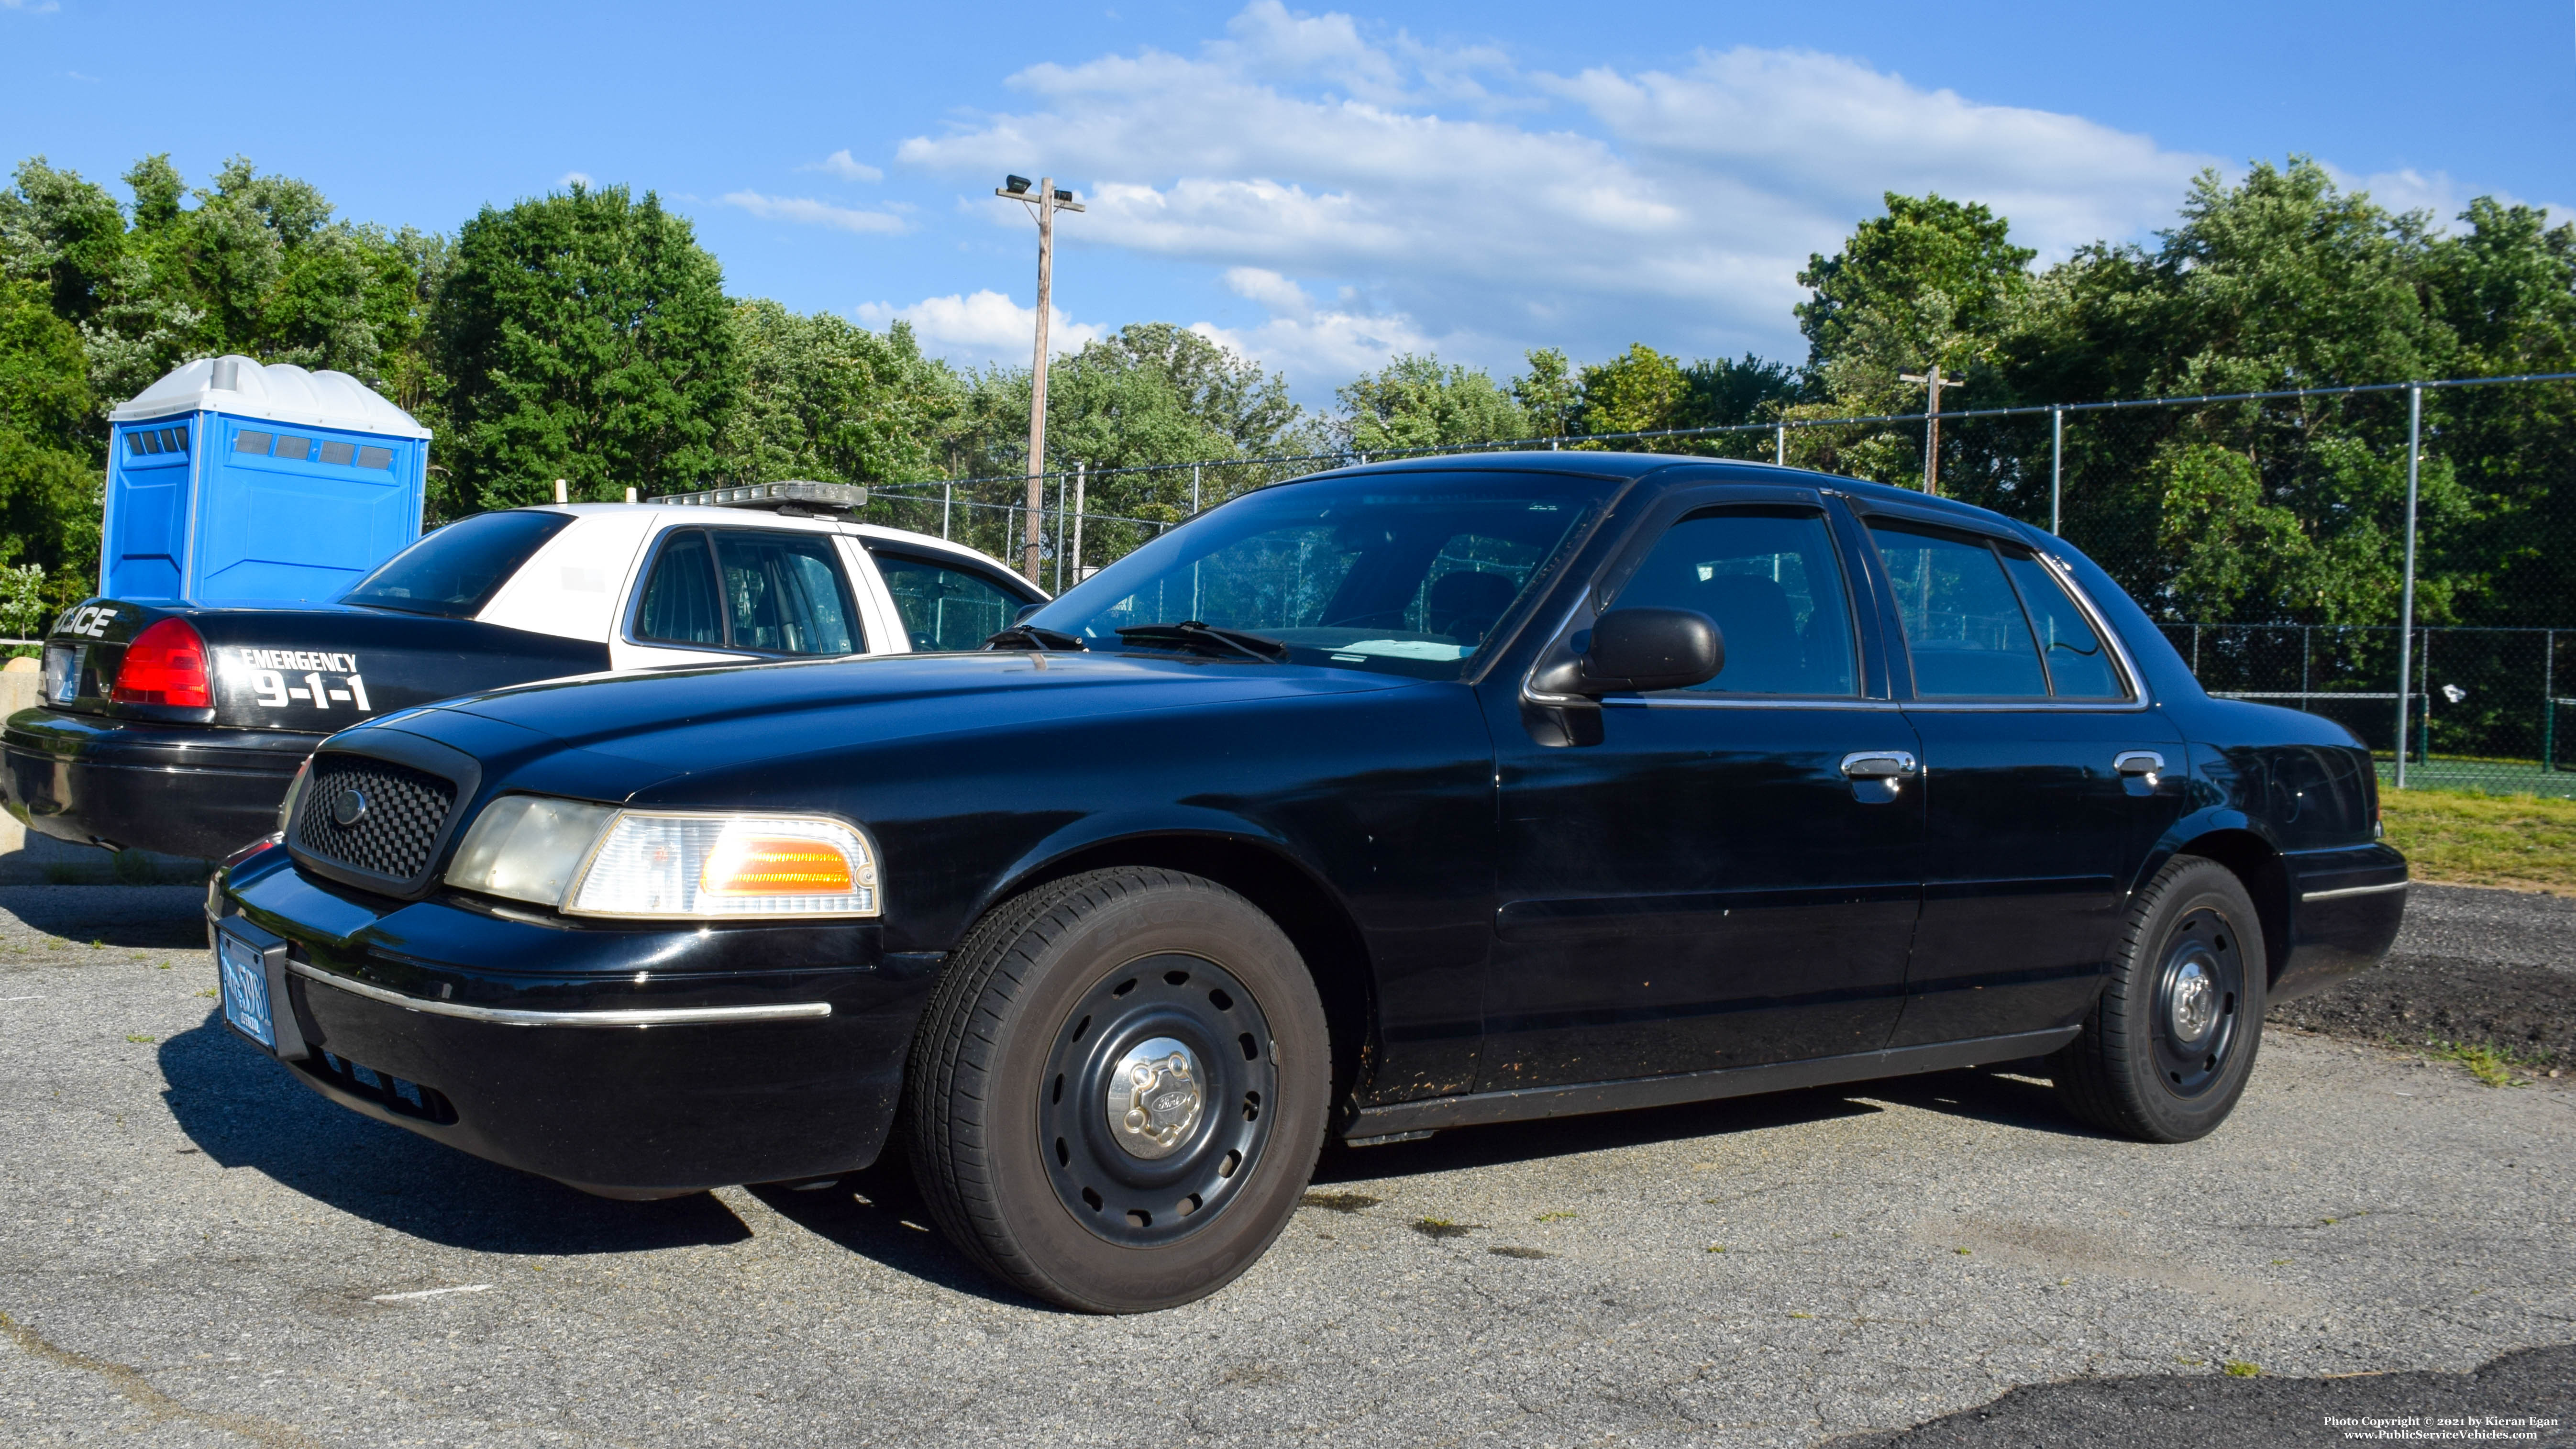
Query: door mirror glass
[1769,579]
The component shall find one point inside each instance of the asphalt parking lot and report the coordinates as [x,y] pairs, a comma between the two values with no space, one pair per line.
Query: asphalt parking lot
[195,1251]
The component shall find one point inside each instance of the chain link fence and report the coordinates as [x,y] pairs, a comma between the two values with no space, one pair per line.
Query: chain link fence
[2303,547]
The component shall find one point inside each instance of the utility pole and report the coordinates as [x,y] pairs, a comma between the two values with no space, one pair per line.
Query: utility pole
[1932,382]
[1043,204]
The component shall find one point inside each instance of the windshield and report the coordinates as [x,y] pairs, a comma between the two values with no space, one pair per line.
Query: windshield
[1407,573]
[456,570]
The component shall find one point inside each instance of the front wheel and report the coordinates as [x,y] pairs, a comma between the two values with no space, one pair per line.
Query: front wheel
[2168,1048]
[1119,1089]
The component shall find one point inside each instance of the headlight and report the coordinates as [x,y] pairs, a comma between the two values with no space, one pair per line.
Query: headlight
[528,847]
[294,787]
[596,860]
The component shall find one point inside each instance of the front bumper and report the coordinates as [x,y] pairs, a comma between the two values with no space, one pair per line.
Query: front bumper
[622,1061]
[201,790]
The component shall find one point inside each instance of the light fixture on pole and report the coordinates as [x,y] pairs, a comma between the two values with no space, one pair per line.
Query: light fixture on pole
[1043,203]
[1932,382]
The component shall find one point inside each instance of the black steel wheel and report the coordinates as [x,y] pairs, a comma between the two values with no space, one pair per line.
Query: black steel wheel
[1118,1091]
[2199,1001]
[2169,1046]
[1156,1099]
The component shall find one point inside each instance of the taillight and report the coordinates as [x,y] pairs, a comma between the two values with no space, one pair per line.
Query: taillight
[166,664]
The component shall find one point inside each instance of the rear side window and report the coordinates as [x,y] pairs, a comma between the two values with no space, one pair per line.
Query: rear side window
[945,607]
[1964,627]
[1770,579]
[2079,667]
[680,605]
[455,571]
[776,593]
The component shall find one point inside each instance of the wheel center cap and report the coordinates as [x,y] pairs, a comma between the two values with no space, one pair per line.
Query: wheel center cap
[1156,1094]
[2195,1002]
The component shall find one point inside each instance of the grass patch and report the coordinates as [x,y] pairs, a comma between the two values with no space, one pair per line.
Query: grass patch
[2465,838]
[2484,1063]
[1443,1228]
[2239,1369]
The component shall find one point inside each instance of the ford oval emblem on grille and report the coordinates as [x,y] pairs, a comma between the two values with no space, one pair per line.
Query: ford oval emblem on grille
[348,809]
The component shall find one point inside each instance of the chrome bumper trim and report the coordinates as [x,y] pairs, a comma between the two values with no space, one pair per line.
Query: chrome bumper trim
[632,1016]
[2368,890]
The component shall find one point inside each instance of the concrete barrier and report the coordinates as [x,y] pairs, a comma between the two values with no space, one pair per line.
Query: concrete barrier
[29,857]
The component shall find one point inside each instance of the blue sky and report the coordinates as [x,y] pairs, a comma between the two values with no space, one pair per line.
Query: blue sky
[1317,187]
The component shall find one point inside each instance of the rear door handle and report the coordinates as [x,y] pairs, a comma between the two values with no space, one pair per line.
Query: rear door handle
[1877,776]
[2139,762]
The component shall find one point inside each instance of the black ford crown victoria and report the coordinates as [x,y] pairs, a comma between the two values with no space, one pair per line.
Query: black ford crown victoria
[1397,799]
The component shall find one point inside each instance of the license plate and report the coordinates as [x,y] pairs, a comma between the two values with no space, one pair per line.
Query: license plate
[62,671]
[244,977]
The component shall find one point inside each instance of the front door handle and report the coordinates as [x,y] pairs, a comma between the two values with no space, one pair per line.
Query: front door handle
[1878,776]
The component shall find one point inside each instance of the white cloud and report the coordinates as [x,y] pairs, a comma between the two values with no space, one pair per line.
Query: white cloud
[840,164]
[581,179]
[984,327]
[32,7]
[1497,207]
[2408,189]
[809,212]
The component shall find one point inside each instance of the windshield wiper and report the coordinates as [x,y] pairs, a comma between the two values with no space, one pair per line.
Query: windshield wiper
[1207,639]
[1030,636]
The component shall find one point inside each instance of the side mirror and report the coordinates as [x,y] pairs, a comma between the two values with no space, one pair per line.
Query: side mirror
[1025,610]
[1641,649]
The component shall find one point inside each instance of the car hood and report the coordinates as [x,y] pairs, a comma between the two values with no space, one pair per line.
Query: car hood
[683,721]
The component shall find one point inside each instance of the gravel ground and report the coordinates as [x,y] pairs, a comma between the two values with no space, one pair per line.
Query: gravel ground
[2471,965]
[196,1251]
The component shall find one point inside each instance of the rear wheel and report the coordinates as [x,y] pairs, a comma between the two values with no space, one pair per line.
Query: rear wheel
[1119,1089]
[2168,1048]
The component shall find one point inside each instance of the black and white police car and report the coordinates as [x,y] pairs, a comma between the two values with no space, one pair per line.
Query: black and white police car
[175,727]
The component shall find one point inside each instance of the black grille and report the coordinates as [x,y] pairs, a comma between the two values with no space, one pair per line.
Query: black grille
[393,836]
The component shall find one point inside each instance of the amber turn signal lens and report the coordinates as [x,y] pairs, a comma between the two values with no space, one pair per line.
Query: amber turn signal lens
[767,865]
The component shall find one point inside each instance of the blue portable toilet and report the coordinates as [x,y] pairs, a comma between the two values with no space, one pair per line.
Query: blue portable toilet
[232,482]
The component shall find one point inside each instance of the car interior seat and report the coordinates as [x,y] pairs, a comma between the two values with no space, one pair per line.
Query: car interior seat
[1465,605]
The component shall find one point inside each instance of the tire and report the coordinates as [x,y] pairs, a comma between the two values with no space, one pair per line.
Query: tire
[2146,1067]
[1042,1152]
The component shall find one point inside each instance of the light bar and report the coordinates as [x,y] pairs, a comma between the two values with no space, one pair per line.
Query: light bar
[838,497]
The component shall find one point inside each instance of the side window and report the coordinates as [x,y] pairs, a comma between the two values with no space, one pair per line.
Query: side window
[1770,579]
[1964,628]
[945,607]
[680,595]
[2079,667]
[784,594]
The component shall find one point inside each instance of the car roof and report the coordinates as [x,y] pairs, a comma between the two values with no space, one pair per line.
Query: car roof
[1688,469]
[705,516]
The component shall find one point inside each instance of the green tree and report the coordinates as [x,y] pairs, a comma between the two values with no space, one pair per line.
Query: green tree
[1932,281]
[1640,390]
[1414,402]
[1550,395]
[583,335]
[49,476]
[824,398]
